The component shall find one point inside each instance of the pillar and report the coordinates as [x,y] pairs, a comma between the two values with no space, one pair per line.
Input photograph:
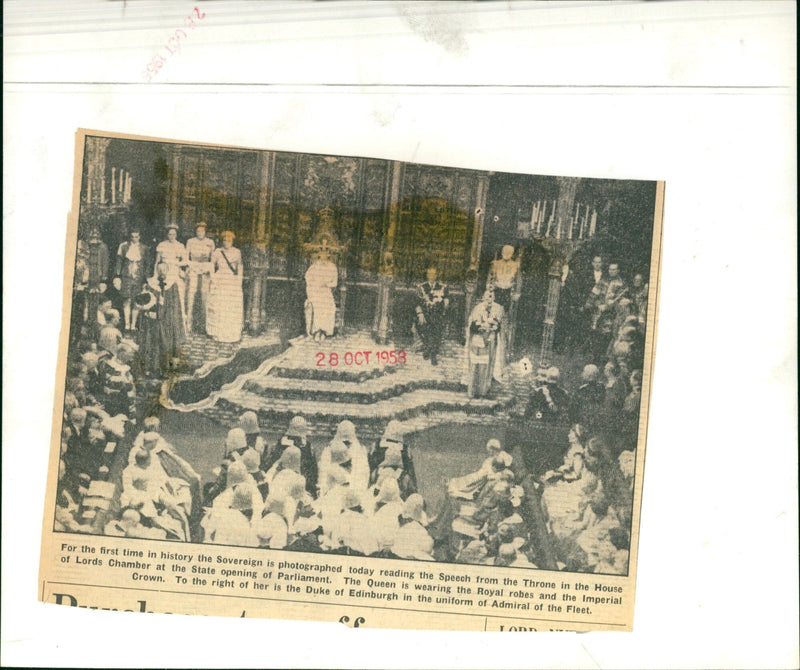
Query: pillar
[550,312]
[567,188]
[513,311]
[171,214]
[259,262]
[382,323]
[478,219]
[98,263]
[561,250]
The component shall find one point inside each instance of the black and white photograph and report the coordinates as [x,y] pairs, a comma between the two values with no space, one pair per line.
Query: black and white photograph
[357,356]
[356,334]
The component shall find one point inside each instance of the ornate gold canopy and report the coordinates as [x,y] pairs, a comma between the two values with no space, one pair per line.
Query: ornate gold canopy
[325,238]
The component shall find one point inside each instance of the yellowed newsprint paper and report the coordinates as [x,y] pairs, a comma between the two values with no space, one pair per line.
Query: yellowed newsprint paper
[350,389]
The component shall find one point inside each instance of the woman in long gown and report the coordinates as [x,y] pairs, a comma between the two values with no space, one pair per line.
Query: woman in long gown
[484,345]
[225,310]
[320,307]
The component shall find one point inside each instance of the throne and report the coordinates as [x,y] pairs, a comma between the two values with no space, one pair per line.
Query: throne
[326,240]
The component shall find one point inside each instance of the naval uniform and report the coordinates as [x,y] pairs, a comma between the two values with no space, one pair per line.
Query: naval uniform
[432,301]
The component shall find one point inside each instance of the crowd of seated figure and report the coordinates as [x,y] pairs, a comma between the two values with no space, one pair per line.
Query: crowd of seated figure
[155,493]
[343,499]
[485,515]
[574,517]
[348,498]
[587,503]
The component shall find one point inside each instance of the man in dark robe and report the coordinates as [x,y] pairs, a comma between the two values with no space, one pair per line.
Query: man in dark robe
[162,332]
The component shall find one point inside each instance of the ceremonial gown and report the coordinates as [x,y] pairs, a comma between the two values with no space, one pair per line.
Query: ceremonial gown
[321,278]
[225,310]
[484,348]
[162,331]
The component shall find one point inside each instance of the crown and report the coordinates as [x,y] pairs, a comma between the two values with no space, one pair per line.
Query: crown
[325,239]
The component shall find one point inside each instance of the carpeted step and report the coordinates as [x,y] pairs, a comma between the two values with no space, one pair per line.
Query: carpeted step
[402,407]
[203,382]
[370,391]
[331,375]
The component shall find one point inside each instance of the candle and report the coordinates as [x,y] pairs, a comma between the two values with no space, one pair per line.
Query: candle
[577,209]
[593,224]
[547,232]
[130,187]
[558,230]
[113,189]
[89,186]
[580,230]
[569,234]
[103,189]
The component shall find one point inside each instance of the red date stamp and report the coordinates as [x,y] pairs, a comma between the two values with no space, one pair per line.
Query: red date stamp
[334,359]
[173,45]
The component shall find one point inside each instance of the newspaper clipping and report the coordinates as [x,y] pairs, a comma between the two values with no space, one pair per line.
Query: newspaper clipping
[350,389]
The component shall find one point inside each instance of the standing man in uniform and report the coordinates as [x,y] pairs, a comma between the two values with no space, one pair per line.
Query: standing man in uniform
[598,282]
[616,289]
[199,250]
[432,303]
[597,294]
[130,275]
